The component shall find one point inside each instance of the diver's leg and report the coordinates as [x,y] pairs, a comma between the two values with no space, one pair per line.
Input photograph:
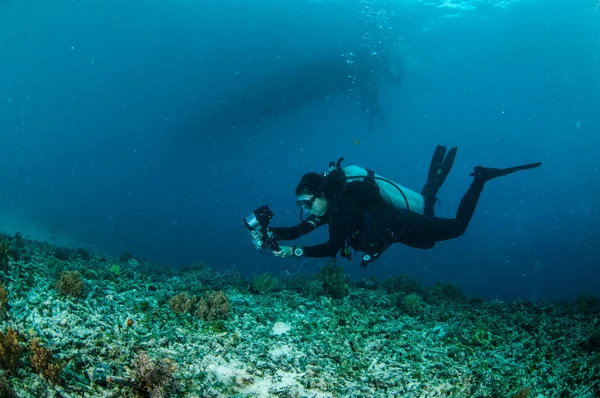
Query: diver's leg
[449,228]
[439,168]
[446,228]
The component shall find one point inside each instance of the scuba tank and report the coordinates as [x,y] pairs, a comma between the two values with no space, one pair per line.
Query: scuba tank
[400,197]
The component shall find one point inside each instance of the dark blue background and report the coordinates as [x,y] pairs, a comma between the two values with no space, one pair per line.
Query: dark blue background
[94,96]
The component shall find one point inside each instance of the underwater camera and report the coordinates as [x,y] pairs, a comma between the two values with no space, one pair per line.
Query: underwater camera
[257,224]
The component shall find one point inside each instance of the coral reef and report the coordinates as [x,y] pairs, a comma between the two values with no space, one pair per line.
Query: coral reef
[412,303]
[147,330]
[594,340]
[265,283]
[333,280]
[4,253]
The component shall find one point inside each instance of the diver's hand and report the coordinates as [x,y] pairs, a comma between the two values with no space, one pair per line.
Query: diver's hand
[284,251]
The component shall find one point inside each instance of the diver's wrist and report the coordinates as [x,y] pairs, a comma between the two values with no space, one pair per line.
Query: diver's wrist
[297,251]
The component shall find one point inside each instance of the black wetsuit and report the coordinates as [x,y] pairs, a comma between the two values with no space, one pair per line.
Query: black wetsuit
[364,220]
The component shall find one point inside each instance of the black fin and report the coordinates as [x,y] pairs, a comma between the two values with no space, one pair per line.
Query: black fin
[436,162]
[441,164]
[446,166]
[488,173]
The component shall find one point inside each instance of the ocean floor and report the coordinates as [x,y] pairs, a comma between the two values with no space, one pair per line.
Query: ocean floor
[78,324]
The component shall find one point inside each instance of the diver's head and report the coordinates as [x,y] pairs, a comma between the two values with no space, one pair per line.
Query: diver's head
[310,194]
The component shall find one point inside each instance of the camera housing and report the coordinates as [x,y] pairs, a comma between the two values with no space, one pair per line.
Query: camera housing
[257,223]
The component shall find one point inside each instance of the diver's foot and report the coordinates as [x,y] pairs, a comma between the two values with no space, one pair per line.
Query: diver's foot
[430,190]
[487,173]
[429,194]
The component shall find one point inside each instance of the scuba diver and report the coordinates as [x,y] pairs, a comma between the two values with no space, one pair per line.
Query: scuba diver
[369,213]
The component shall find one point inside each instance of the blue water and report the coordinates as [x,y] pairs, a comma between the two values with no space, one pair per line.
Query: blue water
[97,100]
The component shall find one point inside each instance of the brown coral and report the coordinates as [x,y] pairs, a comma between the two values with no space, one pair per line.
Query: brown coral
[182,303]
[151,377]
[3,300]
[41,361]
[10,351]
[214,305]
[70,283]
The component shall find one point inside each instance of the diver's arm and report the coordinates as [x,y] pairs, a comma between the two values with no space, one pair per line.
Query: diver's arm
[291,233]
[329,249]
